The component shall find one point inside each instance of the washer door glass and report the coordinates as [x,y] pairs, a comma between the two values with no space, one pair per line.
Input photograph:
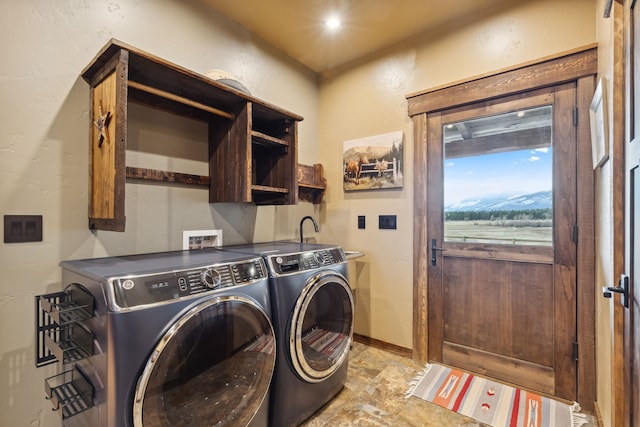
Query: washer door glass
[212,367]
[321,327]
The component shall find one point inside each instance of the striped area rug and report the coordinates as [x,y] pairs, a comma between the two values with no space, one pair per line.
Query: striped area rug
[491,402]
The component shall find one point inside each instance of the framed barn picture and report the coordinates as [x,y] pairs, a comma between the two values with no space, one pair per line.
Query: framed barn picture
[373,163]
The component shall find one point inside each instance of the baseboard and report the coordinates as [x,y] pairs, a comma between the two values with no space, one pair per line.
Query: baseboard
[391,348]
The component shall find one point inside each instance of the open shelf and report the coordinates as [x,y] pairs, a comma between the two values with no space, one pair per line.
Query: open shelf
[269,141]
[69,343]
[68,307]
[58,333]
[263,194]
[165,177]
[266,189]
[61,336]
[251,142]
[311,183]
[70,392]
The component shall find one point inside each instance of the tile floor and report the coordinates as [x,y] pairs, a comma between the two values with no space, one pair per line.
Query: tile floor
[374,395]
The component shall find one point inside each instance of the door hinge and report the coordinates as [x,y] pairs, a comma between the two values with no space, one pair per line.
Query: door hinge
[574,234]
[575,116]
[575,352]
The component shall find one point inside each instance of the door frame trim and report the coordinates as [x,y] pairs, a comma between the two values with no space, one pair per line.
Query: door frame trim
[579,66]
[625,149]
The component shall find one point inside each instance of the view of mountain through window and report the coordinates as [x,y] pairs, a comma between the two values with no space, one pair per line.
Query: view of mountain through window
[498,179]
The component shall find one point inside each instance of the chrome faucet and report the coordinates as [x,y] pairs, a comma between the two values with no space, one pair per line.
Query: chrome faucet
[315,225]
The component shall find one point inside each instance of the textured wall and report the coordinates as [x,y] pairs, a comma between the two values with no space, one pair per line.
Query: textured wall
[44,154]
[44,131]
[368,98]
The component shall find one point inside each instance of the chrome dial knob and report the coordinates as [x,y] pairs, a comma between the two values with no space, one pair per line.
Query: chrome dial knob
[211,278]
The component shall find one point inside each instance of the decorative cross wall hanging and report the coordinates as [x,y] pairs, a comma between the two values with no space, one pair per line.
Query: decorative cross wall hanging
[102,124]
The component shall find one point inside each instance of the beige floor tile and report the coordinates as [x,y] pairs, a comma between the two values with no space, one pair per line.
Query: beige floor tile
[374,395]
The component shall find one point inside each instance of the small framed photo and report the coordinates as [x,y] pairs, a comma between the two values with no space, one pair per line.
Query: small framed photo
[198,239]
[599,116]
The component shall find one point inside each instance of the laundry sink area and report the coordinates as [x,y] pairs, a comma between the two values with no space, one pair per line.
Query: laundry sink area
[353,254]
[354,267]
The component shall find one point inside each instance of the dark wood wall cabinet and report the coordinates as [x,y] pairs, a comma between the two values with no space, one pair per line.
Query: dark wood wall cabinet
[253,145]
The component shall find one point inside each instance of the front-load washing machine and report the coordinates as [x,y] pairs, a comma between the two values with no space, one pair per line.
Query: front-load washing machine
[312,306]
[175,339]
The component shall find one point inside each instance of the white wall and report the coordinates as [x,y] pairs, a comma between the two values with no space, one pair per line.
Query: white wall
[368,98]
[44,136]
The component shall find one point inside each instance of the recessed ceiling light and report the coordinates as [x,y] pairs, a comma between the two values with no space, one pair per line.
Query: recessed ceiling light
[333,23]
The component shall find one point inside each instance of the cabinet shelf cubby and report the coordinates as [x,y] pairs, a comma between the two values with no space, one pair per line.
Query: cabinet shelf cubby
[311,183]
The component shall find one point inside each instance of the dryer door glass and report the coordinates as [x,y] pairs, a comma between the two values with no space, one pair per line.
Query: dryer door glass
[322,327]
[212,367]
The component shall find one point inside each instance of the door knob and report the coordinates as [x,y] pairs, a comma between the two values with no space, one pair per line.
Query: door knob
[622,288]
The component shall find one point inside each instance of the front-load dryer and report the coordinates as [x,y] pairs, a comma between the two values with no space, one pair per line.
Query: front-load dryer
[178,339]
[312,306]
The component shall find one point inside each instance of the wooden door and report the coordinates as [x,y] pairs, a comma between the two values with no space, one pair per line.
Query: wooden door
[631,329]
[501,293]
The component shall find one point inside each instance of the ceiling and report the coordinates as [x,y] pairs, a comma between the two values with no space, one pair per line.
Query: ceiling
[296,27]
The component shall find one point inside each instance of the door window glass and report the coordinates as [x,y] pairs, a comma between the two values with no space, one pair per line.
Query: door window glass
[498,179]
[213,368]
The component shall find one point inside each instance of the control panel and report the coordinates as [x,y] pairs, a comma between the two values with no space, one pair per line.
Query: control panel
[292,263]
[165,286]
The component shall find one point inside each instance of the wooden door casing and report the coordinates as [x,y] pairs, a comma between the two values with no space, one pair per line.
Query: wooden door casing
[631,318]
[579,66]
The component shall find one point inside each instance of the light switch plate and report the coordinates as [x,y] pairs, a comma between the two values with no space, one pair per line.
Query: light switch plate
[22,228]
[387,222]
